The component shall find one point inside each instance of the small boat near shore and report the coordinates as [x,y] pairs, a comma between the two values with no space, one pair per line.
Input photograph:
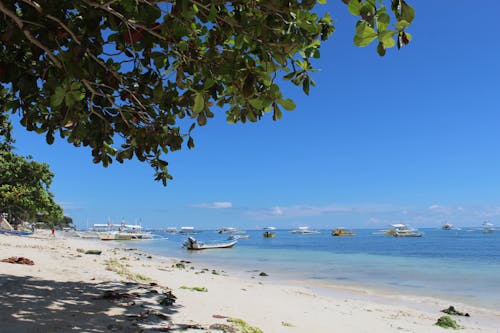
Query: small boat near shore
[16,232]
[193,244]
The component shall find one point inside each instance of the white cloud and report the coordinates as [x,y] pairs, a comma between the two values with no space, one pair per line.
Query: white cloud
[215,205]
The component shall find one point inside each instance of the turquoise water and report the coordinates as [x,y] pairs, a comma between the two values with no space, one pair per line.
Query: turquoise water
[460,265]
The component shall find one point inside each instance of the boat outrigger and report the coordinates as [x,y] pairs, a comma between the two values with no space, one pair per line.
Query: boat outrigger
[193,244]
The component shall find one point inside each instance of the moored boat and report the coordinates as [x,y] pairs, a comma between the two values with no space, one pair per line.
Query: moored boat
[487,227]
[193,244]
[304,231]
[228,230]
[232,237]
[339,232]
[447,226]
[403,230]
[16,232]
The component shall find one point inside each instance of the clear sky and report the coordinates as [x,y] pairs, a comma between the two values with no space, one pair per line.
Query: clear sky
[413,137]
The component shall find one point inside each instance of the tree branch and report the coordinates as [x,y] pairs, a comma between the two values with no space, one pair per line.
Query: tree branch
[28,34]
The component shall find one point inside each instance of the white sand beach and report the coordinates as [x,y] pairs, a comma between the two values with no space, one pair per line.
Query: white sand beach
[120,290]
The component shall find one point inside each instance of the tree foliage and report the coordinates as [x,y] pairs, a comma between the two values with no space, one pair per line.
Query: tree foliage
[24,189]
[134,77]
[24,184]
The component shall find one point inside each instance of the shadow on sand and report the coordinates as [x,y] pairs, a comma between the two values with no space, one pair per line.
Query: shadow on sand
[30,304]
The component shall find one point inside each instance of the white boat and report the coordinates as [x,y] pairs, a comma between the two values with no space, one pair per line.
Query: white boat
[403,230]
[125,232]
[304,231]
[447,226]
[193,244]
[487,227]
[188,230]
[172,230]
[228,231]
[232,237]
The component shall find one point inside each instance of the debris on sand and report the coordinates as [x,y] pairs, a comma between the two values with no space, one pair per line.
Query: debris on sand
[96,252]
[18,260]
[454,312]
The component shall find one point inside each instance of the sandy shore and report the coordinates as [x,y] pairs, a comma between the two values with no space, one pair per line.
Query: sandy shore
[121,290]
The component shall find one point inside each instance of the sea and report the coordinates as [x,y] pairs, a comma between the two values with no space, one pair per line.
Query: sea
[460,265]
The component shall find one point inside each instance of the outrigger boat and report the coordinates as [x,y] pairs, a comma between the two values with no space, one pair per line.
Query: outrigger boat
[233,237]
[193,244]
[403,230]
[16,232]
[342,232]
[447,226]
[268,232]
[487,227]
[304,231]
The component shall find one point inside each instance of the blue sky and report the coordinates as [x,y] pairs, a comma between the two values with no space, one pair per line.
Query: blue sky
[413,137]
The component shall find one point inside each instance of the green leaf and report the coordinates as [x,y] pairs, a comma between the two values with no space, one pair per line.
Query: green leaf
[288,104]
[364,34]
[199,103]
[277,112]
[202,119]
[306,85]
[213,12]
[383,21]
[58,97]
[322,2]
[401,25]
[257,103]
[381,49]
[354,7]
[386,38]
[129,5]
[407,12]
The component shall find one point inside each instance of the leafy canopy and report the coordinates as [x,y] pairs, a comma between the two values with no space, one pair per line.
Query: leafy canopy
[24,189]
[134,77]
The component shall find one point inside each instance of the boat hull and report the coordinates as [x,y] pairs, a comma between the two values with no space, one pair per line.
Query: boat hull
[199,247]
[16,232]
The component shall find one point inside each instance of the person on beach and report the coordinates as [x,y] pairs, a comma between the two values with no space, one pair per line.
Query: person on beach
[33,227]
[53,232]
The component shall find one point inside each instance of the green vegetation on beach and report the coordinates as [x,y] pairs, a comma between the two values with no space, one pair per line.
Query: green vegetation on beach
[200,289]
[117,267]
[447,322]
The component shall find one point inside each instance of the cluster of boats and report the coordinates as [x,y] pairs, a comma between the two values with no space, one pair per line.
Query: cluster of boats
[110,231]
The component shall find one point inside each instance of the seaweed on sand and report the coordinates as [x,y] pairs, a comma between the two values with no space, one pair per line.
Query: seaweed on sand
[447,322]
[200,289]
[117,267]
[243,326]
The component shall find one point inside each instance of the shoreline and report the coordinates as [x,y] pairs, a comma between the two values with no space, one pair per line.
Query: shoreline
[273,306]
